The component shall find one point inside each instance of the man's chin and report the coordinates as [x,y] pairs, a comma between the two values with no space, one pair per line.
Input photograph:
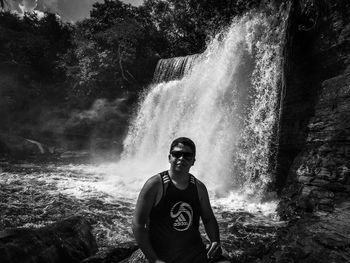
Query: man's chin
[181,168]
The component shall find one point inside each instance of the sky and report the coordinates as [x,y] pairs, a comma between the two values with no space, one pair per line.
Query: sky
[68,10]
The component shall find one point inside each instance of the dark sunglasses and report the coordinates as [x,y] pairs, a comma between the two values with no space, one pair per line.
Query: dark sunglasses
[185,155]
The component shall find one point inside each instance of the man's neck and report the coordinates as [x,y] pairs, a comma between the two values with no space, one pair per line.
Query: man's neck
[180,179]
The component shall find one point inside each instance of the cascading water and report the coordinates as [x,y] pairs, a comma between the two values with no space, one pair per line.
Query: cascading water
[226,102]
[225,99]
[174,68]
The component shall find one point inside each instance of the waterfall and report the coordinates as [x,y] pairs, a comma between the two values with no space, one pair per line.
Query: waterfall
[225,100]
[173,68]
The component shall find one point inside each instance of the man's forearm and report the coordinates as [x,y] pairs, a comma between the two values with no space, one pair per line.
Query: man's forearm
[142,238]
[212,228]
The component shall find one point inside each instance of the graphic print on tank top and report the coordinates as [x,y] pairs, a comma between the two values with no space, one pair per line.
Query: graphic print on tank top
[182,213]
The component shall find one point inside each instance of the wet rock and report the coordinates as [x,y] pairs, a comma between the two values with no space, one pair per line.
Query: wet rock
[67,241]
[326,201]
[322,239]
[316,126]
[344,174]
[121,252]
[323,172]
[324,149]
[74,154]
[304,179]
[304,170]
[306,191]
[20,147]
[326,207]
[319,182]
[337,187]
[136,257]
[321,193]
[307,204]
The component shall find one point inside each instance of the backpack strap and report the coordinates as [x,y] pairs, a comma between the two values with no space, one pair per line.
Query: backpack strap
[193,180]
[165,181]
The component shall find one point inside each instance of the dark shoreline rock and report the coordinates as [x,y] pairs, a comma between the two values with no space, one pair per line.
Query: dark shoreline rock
[121,252]
[315,237]
[68,241]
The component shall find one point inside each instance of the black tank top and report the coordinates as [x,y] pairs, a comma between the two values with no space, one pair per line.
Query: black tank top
[174,223]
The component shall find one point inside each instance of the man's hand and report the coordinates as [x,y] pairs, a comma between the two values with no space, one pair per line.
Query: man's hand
[214,250]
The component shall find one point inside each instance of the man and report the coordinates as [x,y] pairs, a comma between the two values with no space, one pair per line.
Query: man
[168,209]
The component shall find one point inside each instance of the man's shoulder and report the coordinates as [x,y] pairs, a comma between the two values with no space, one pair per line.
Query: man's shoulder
[201,188]
[200,184]
[154,181]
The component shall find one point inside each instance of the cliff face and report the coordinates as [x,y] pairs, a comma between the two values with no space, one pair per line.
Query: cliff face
[314,145]
[313,162]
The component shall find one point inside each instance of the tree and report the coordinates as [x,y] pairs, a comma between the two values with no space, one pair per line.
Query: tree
[188,24]
[30,80]
[113,52]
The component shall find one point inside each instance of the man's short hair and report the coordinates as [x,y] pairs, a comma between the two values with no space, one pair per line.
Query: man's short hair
[185,141]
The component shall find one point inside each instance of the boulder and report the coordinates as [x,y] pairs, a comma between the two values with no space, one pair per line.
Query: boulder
[67,241]
[319,237]
[136,257]
[118,254]
[19,146]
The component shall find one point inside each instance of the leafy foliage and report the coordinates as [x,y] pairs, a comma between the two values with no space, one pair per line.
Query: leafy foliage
[188,24]
[34,45]
[113,52]
[29,52]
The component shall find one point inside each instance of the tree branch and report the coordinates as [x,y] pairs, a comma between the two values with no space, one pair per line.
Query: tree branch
[121,65]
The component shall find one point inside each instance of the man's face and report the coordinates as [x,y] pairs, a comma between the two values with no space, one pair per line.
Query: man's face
[181,158]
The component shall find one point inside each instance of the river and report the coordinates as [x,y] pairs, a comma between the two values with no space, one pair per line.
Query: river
[37,194]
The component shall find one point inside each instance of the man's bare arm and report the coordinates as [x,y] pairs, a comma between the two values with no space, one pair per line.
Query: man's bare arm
[145,202]
[209,220]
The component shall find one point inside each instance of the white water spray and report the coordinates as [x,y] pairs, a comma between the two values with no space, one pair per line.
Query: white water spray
[226,102]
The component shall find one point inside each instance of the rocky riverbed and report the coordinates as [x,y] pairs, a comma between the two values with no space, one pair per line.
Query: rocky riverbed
[35,195]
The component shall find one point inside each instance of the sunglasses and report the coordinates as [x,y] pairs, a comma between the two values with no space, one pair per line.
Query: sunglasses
[185,155]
